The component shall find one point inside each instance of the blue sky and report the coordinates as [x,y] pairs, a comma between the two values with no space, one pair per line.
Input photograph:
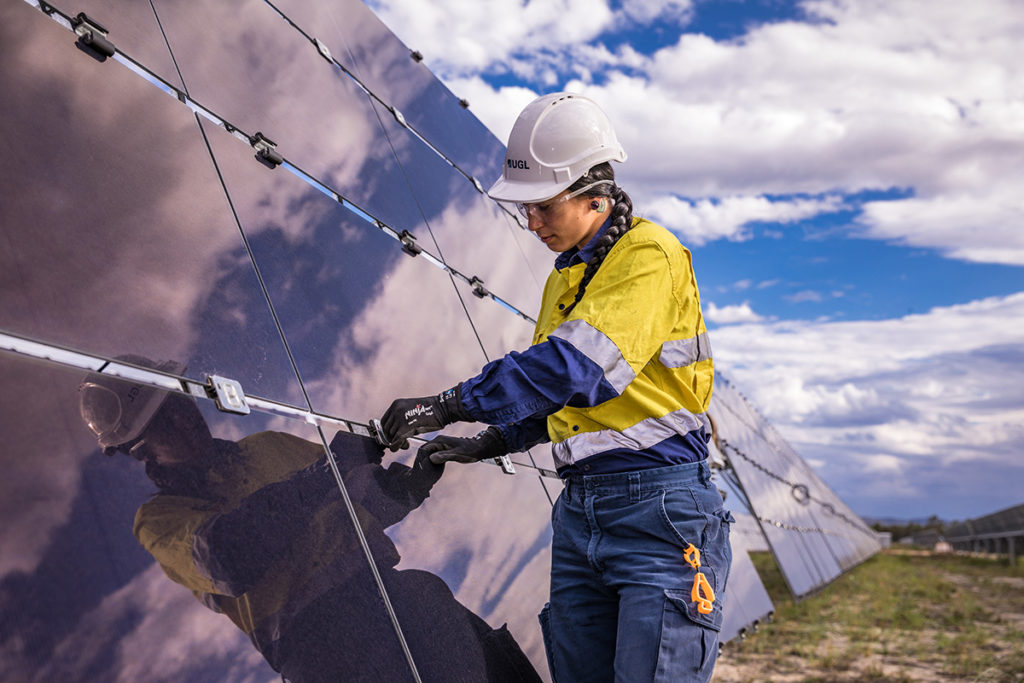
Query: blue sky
[847,176]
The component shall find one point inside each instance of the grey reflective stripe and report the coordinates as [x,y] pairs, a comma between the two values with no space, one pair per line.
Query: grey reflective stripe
[595,345]
[643,434]
[682,352]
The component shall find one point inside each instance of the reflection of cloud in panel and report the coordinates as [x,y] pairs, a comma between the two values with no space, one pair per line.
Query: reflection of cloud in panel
[127,248]
[497,559]
[358,39]
[170,637]
[321,121]
[410,338]
[45,442]
[472,235]
[484,246]
[123,203]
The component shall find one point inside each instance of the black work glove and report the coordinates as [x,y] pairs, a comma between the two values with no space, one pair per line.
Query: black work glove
[487,444]
[408,416]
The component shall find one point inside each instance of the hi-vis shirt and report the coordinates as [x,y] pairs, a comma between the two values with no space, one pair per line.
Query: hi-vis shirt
[624,381]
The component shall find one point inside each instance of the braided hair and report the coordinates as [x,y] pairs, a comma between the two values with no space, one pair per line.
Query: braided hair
[621,220]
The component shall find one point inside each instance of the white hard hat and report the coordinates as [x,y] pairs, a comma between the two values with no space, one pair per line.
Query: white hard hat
[118,410]
[556,139]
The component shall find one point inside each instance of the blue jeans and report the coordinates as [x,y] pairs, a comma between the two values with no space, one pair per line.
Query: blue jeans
[621,606]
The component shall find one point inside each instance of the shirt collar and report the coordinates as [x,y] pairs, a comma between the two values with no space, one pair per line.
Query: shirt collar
[577,255]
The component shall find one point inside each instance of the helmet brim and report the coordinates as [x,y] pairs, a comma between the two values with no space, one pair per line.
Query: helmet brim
[524,193]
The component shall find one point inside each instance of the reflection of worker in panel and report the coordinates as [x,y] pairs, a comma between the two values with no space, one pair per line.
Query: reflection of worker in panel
[619,379]
[258,531]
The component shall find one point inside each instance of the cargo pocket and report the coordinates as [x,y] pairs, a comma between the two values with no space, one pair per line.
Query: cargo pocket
[689,639]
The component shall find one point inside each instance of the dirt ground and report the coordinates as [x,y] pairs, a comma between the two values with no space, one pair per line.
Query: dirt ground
[892,655]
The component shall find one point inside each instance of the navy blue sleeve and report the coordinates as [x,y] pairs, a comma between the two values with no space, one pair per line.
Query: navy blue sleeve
[535,383]
[521,436]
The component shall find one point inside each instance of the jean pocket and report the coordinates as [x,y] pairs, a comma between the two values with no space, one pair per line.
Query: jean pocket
[682,516]
[689,638]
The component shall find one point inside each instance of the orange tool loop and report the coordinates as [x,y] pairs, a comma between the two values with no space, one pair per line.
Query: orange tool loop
[704,602]
[692,556]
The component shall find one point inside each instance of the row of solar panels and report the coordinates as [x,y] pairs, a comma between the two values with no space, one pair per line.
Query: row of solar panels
[1003,522]
[813,535]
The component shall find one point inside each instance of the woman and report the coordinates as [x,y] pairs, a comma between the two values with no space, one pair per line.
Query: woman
[619,379]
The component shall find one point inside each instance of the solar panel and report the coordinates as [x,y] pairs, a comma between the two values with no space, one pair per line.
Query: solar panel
[297,262]
[747,603]
[813,535]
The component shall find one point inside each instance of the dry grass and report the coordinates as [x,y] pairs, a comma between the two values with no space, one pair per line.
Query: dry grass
[901,616]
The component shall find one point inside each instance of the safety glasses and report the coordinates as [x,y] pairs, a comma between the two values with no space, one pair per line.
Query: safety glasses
[134,447]
[549,207]
[101,408]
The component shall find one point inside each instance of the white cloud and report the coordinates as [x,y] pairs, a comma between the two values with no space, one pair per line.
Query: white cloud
[460,36]
[726,315]
[704,220]
[804,295]
[973,226]
[926,395]
[867,95]
[646,11]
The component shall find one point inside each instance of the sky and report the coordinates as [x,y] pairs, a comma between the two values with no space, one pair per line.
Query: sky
[847,176]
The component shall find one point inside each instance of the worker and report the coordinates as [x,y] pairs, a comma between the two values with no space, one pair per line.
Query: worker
[618,378]
[257,530]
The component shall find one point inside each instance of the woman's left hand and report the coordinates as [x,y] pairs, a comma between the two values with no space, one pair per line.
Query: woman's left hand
[487,444]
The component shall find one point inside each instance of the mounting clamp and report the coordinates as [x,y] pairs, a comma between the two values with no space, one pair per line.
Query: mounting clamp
[266,150]
[228,394]
[409,245]
[478,287]
[92,37]
[506,465]
[324,51]
[398,117]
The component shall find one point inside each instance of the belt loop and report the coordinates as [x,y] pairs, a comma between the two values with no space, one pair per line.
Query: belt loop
[705,473]
[634,487]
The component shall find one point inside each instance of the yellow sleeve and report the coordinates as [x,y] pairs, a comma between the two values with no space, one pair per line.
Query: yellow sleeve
[166,527]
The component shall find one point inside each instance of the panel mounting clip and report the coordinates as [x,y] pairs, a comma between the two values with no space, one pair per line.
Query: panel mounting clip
[398,117]
[266,150]
[478,287]
[324,51]
[228,394]
[506,465]
[409,245]
[92,37]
